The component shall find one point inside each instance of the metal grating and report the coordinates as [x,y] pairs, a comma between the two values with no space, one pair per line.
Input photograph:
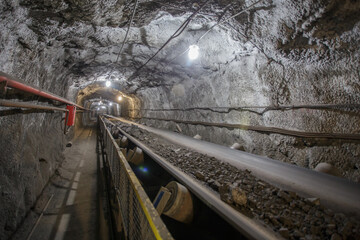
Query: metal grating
[139,218]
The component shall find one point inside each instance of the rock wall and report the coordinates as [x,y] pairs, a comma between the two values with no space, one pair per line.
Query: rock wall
[31,148]
[31,143]
[282,53]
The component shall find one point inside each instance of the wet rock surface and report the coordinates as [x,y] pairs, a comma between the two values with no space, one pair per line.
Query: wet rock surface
[288,214]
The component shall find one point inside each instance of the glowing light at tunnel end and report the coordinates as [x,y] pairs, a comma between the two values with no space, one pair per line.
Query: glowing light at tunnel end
[107,83]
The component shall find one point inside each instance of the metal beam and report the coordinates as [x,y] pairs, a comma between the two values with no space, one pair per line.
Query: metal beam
[6,103]
[18,84]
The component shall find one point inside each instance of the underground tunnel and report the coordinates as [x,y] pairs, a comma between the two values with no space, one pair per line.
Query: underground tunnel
[160,119]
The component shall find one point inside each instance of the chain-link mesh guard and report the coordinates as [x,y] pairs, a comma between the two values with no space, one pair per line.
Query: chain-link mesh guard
[139,218]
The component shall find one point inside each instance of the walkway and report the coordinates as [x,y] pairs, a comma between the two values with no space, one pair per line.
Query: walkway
[76,208]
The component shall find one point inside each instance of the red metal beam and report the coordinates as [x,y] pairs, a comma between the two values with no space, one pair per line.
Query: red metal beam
[15,83]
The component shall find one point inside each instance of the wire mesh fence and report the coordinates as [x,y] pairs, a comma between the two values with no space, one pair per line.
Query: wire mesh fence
[139,218]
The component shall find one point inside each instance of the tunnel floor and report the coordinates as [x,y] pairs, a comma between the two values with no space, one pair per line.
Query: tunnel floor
[76,208]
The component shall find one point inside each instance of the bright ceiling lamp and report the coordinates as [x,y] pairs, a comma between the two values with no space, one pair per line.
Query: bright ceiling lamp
[107,83]
[110,103]
[120,98]
[193,52]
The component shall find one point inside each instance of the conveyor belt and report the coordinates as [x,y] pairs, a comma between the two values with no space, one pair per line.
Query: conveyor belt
[334,192]
[247,226]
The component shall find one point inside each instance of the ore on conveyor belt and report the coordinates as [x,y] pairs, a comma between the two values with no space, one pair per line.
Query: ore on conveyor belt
[288,214]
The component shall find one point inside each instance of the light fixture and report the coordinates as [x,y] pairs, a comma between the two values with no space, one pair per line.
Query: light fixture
[110,103]
[193,52]
[120,98]
[98,109]
[107,83]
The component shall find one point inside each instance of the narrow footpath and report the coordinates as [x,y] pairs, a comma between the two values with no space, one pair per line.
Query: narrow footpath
[75,195]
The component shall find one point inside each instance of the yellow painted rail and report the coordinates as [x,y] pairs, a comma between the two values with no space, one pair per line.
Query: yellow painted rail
[138,217]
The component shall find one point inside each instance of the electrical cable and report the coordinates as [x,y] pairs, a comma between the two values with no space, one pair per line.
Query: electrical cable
[167,6]
[267,130]
[212,27]
[266,108]
[225,9]
[175,34]
[39,218]
[123,43]
[227,19]
[127,31]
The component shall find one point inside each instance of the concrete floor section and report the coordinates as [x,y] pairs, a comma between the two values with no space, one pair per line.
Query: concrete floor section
[76,209]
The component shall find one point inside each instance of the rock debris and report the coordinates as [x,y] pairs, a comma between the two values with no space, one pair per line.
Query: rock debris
[288,214]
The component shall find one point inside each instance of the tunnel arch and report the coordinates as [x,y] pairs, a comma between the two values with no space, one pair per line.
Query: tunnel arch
[130,103]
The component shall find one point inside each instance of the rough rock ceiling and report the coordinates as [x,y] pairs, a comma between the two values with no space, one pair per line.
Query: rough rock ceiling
[90,34]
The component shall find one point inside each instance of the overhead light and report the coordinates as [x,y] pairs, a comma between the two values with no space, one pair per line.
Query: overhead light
[98,109]
[103,107]
[107,83]
[120,98]
[110,103]
[193,52]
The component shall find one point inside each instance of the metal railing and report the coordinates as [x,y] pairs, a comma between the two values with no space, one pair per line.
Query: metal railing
[18,84]
[139,219]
